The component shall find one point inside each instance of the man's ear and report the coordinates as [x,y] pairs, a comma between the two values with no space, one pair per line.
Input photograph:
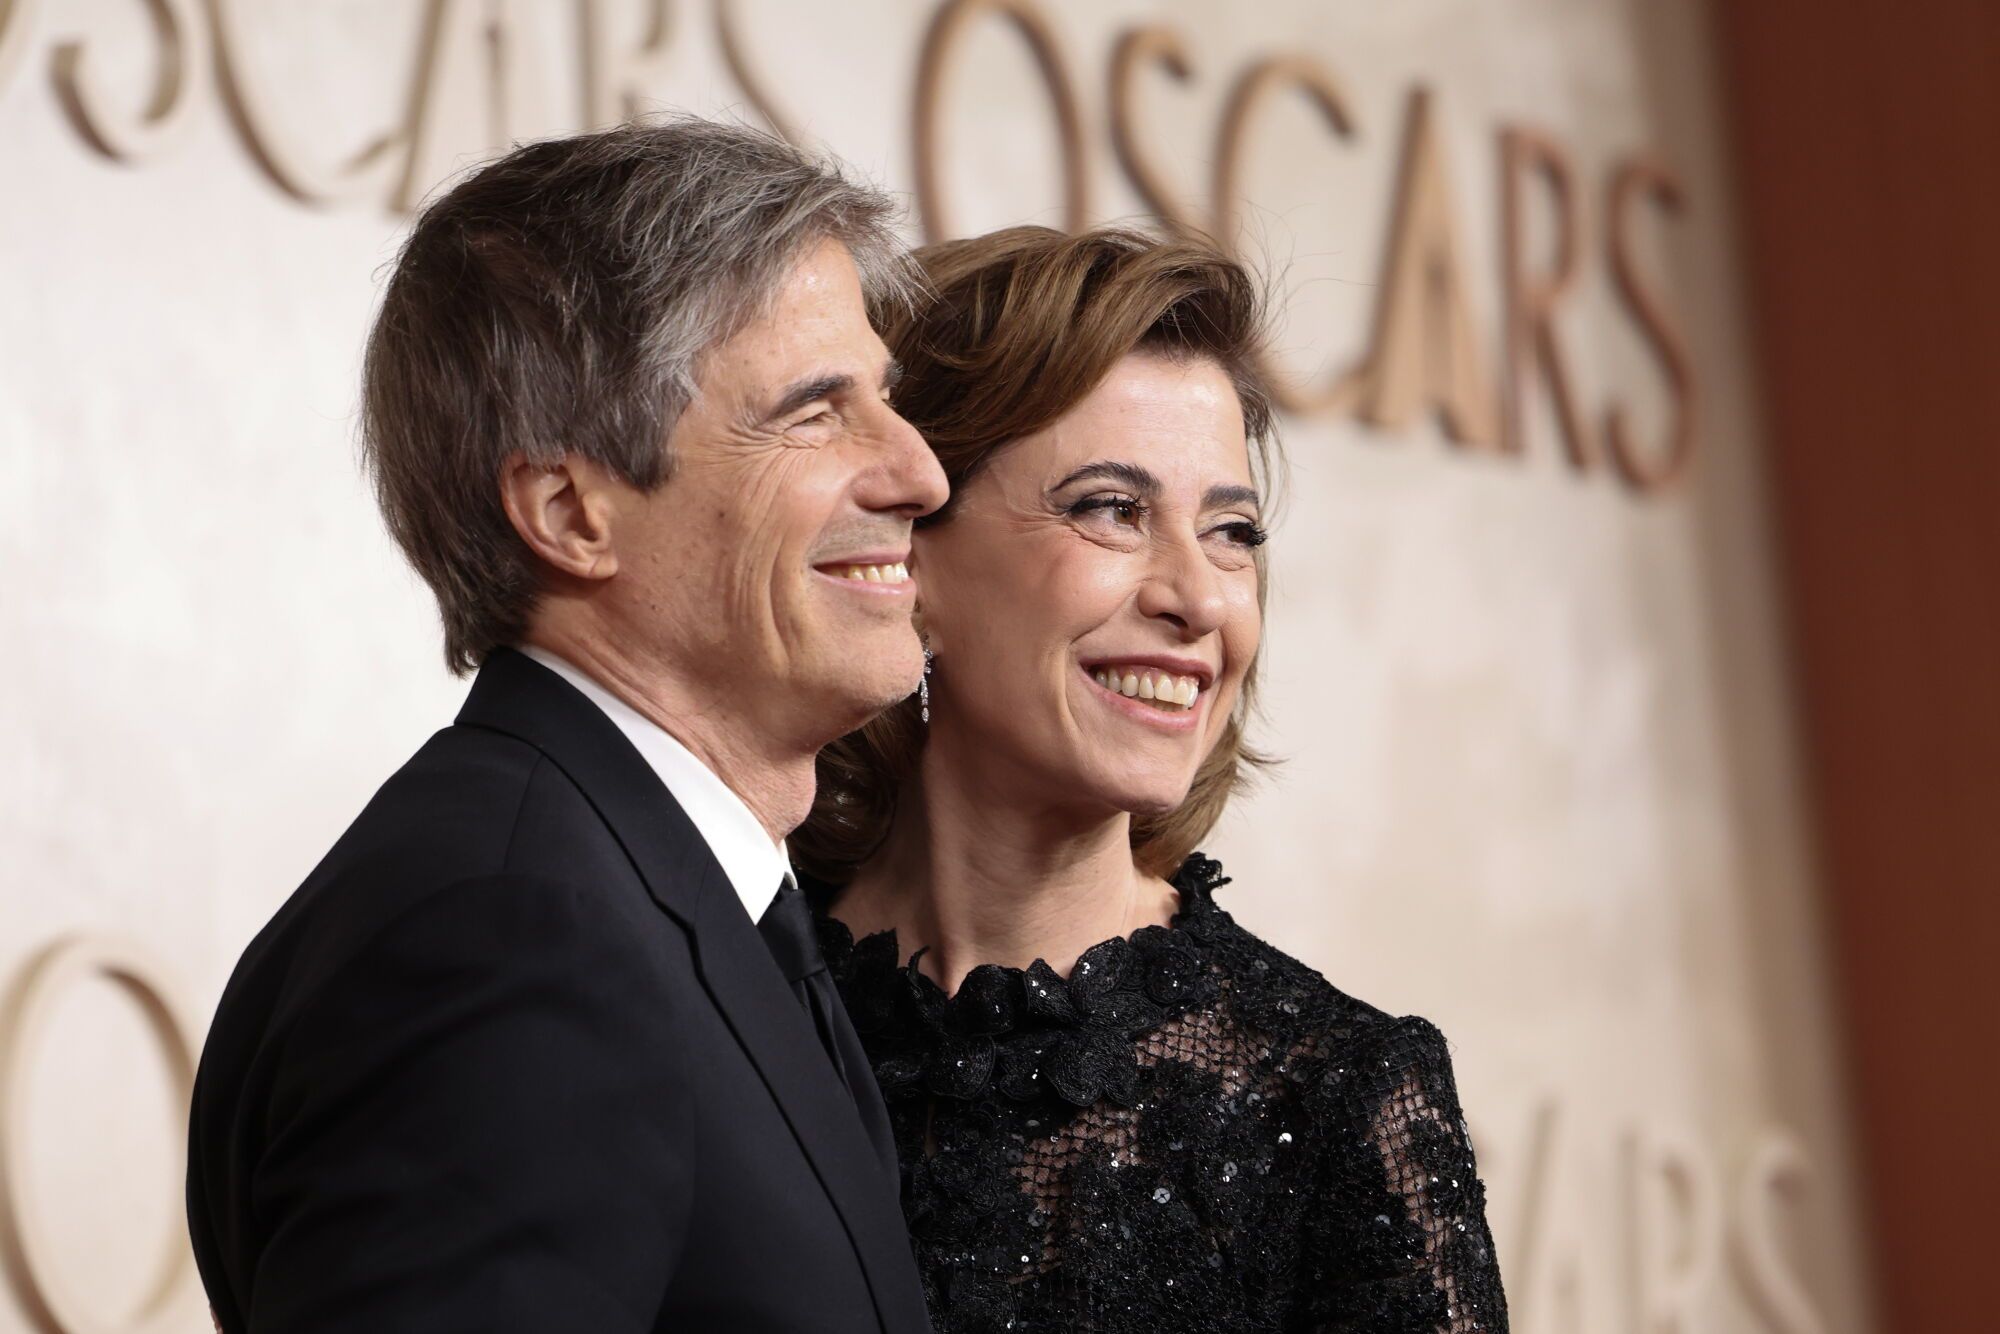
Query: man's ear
[563,511]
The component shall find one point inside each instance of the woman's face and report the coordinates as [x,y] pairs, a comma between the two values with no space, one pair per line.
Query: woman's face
[1093,598]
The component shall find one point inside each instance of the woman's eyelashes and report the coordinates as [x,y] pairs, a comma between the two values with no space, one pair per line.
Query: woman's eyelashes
[1244,532]
[1124,511]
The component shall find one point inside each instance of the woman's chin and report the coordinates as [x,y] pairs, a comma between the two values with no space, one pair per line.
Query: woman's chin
[1141,799]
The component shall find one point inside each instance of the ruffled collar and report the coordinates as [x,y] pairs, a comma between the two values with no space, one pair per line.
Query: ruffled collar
[1024,1032]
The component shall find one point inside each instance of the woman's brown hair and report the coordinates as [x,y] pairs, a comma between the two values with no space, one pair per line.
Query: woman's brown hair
[1020,327]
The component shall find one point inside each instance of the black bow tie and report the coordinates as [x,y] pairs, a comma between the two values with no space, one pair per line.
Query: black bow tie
[789,931]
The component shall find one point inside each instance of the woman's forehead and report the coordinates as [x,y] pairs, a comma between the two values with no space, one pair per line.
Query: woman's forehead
[1178,419]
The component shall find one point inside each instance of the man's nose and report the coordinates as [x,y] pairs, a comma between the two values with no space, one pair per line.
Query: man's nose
[910,479]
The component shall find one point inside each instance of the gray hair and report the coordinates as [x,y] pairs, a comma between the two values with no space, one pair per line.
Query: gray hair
[560,299]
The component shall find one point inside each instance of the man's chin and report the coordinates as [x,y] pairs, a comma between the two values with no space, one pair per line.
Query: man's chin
[857,690]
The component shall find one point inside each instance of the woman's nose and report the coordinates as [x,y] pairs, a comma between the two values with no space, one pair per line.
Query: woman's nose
[1183,586]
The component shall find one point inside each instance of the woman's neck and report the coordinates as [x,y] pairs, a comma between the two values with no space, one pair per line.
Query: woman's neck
[980,879]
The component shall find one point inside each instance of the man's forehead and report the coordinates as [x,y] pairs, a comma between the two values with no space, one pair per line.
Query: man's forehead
[824,331]
[823,277]
[773,365]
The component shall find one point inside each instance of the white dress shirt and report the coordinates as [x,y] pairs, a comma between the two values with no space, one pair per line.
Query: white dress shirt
[756,866]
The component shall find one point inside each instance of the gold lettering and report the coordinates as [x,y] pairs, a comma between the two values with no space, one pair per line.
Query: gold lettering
[1531,304]
[52,1294]
[1544,1267]
[17,25]
[517,90]
[933,65]
[1253,88]
[1532,1186]
[740,69]
[1424,350]
[1673,1191]
[476,89]
[370,173]
[1635,179]
[1777,1168]
[615,78]
[1158,45]
[183,68]
[445,95]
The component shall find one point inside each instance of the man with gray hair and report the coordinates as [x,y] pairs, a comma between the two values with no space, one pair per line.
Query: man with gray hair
[546,1041]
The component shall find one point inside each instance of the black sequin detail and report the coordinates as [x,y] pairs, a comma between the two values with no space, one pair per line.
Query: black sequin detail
[1190,1132]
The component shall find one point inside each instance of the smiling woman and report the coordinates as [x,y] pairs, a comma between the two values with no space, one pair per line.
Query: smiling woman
[1115,1109]
[1029,322]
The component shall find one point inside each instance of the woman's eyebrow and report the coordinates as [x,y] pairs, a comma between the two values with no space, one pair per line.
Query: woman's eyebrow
[1219,496]
[1131,474]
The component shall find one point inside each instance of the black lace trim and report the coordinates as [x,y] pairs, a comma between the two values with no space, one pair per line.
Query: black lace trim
[1022,1031]
[1195,1131]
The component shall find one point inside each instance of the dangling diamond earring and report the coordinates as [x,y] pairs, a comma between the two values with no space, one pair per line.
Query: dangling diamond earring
[924,686]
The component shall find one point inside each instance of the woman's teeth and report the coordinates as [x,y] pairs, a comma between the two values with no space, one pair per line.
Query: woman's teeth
[1154,687]
[875,574]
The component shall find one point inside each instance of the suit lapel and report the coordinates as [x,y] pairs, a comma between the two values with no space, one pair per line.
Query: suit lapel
[515,695]
[775,1029]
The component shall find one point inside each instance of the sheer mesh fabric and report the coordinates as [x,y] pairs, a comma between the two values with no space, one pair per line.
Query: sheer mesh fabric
[1191,1131]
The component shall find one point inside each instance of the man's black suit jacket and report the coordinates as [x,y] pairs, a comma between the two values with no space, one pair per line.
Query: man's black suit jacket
[515,1058]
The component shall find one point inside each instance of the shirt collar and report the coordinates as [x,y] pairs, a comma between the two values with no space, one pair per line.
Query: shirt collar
[756,866]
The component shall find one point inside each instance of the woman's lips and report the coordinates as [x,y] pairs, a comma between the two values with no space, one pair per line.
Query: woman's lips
[1166,716]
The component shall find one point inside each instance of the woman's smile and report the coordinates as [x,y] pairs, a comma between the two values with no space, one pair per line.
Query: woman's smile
[1170,701]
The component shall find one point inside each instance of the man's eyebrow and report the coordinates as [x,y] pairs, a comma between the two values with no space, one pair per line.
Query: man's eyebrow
[802,392]
[1131,474]
[1219,496]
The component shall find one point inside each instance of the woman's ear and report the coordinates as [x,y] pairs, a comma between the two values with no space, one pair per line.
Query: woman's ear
[563,511]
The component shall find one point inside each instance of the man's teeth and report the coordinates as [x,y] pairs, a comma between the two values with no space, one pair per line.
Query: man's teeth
[874,574]
[1156,687]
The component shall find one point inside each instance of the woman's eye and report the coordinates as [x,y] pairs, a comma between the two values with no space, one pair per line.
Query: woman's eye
[1244,533]
[1124,510]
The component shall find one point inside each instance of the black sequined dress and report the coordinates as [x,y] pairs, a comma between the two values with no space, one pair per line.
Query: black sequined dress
[1190,1132]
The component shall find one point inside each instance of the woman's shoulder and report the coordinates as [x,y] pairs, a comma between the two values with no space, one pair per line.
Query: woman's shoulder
[1287,1000]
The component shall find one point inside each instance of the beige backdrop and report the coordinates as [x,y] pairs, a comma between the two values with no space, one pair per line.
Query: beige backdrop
[1543,780]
